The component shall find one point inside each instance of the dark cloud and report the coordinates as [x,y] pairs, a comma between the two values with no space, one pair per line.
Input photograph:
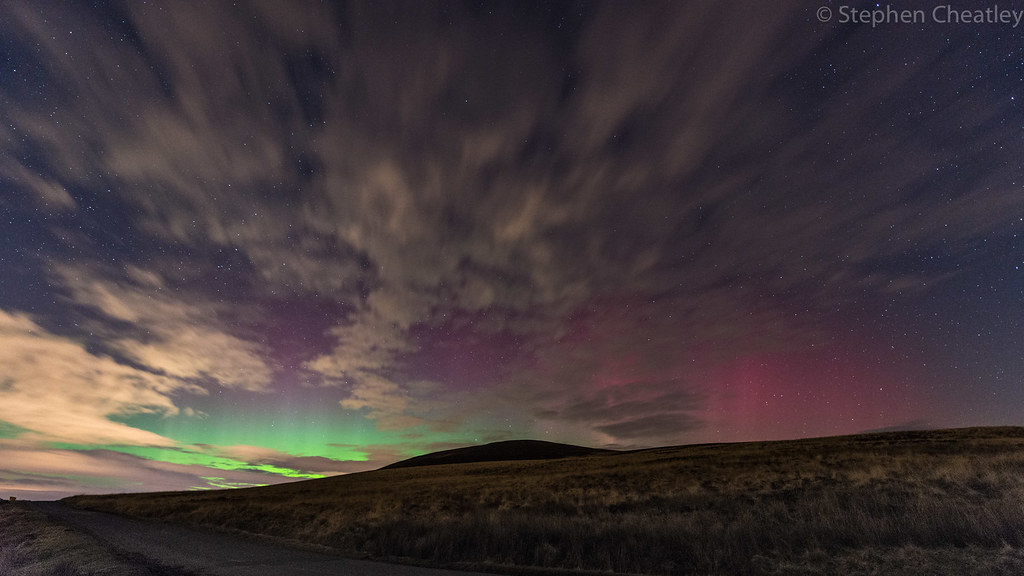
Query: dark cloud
[412,175]
[657,426]
[919,424]
[628,410]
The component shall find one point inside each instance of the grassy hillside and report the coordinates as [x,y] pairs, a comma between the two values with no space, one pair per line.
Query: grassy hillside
[943,502]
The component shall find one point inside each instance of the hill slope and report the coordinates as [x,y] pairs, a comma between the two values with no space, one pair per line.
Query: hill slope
[497,452]
[939,502]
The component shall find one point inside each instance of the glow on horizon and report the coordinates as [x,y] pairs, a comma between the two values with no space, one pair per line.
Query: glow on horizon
[191,457]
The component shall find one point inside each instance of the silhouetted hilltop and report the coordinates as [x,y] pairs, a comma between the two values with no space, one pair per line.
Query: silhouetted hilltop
[498,451]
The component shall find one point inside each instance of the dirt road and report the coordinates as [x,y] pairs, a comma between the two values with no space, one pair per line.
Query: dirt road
[206,553]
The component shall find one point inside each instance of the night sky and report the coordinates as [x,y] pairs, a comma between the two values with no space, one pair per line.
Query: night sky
[254,243]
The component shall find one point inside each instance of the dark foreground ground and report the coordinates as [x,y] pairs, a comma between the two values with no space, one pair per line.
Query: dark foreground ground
[33,544]
[128,547]
[936,503]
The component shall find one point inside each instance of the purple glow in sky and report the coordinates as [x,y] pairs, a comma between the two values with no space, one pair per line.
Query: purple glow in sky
[247,243]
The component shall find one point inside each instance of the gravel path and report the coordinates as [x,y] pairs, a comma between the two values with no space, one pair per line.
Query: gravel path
[186,551]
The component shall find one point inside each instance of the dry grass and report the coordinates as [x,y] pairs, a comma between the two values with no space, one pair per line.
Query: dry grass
[944,502]
[32,545]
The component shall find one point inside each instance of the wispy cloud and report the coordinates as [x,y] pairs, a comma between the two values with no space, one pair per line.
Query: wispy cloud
[178,337]
[35,472]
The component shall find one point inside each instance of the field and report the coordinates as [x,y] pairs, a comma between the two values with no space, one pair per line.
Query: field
[941,502]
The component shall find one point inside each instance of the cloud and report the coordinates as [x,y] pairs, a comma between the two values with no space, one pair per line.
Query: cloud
[34,472]
[378,455]
[258,455]
[364,360]
[916,424]
[59,392]
[655,426]
[406,149]
[627,372]
[655,412]
[50,195]
[53,390]
[183,339]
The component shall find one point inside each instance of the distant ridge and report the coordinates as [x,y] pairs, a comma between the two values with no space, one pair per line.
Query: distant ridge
[498,451]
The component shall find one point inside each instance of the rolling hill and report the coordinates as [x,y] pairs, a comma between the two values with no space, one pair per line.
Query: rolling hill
[498,452]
